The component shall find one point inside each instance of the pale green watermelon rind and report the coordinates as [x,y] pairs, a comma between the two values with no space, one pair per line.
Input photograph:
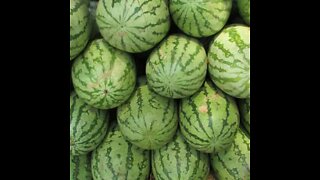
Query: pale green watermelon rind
[104,77]
[244,10]
[80,167]
[209,119]
[177,67]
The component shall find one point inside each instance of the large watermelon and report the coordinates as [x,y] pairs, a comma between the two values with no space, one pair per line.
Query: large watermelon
[200,18]
[88,126]
[229,61]
[234,162]
[131,25]
[147,119]
[80,26]
[209,119]
[178,161]
[177,68]
[118,159]
[244,10]
[80,167]
[104,77]
[244,107]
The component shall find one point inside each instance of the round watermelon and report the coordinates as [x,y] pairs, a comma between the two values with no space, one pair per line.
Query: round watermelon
[244,107]
[244,10]
[147,119]
[80,26]
[200,18]
[104,77]
[88,126]
[234,162]
[116,158]
[229,61]
[177,68]
[133,26]
[80,167]
[209,119]
[177,160]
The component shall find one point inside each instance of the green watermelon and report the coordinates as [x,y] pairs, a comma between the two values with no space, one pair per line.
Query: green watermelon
[103,76]
[200,18]
[244,107]
[88,126]
[147,119]
[118,159]
[177,68]
[178,161]
[133,26]
[80,26]
[80,167]
[234,162]
[229,61]
[244,10]
[209,119]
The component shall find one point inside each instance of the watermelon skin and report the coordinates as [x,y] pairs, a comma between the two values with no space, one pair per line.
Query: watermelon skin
[244,10]
[80,167]
[233,163]
[147,119]
[116,158]
[229,61]
[88,126]
[133,26]
[200,19]
[80,26]
[104,77]
[244,107]
[177,68]
[209,119]
[179,161]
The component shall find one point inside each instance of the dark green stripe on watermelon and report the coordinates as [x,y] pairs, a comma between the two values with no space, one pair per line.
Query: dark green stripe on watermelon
[80,167]
[244,107]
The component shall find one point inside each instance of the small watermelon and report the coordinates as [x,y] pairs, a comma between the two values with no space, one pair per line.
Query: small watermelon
[244,107]
[80,167]
[104,77]
[147,119]
[244,10]
[116,158]
[88,126]
[229,61]
[209,119]
[133,26]
[200,18]
[177,68]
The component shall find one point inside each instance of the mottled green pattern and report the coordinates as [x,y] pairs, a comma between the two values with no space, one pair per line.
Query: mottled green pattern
[244,10]
[177,68]
[200,18]
[147,119]
[179,161]
[131,25]
[209,119]
[244,106]
[233,163]
[80,26]
[103,76]
[229,61]
[117,159]
[88,126]
[80,167]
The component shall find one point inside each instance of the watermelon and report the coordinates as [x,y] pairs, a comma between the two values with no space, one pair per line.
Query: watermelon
[88,126]
[200,18]
[244,10]
[209,119]
[147,119]
[117,158]
[244,107]
[229,61]
[104,77]
[80,26]
[133,26]
[80,167]
[177,68]
[177,160]
[234,162]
